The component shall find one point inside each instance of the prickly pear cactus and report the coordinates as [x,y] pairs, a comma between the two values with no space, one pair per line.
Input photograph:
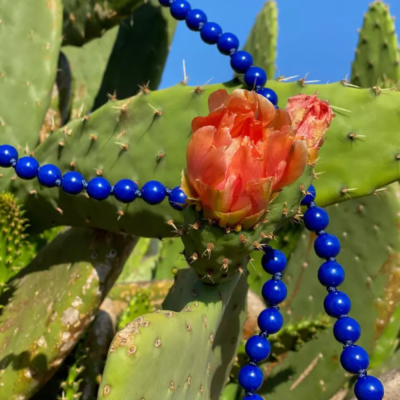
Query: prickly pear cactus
[86,20]
[263,39]
[27,78]
[196,317]
[377,60]
[91,145]
[369,235]
[53,301]
[124,58]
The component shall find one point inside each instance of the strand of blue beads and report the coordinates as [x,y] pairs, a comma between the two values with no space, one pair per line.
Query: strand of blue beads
[270,321]
[72,182]
[228,44]
[337,304]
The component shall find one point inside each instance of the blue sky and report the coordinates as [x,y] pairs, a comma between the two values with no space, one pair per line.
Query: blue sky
[317,37]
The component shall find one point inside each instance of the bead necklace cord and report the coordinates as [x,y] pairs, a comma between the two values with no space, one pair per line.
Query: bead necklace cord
[337,304]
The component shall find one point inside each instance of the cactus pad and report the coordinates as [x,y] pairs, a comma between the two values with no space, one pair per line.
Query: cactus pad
[27,77]
[263,39]
[204,320]
[85,20]
[377,60]
[54,300]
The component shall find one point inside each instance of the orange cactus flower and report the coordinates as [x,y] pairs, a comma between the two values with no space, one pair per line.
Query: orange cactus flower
[240,156]
[311,118]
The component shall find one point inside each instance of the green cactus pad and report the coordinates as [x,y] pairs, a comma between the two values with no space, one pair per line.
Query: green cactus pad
[123,59]
[85,20]
[145,137]
[53,301]
[204,321]
[30,38]
[377,60]
[367,229]
[263,38]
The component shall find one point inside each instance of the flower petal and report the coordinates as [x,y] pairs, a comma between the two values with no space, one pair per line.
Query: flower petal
[213,167]
[259,191]
[246,165]
[277,149]
[213,119]
[232,218]
[197,149]
[220,200]
[296,163]
[266,110]
[250,221]
[218,100]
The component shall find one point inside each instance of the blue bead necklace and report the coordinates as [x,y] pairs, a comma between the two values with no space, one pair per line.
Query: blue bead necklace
[72,182]
[347,331]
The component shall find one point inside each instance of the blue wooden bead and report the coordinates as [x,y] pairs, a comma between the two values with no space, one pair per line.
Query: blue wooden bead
[210,32]
[177,198]
[250,378]
[228,43]
[270,321]
[310,197]
[72,182]
[125,190]
[269,94]
[337,304]
[258,348]
[316,219]
[153,192]
[27,168]
[347,329]
[241,61]
[274,292]
[98,188]
[354,358]
[369,388]
[331,273]
[327,246]
[196,19]
[180,9]
[255,78]
[273,261]
[165,3]
[49,175]
[253,397]
[8,155]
